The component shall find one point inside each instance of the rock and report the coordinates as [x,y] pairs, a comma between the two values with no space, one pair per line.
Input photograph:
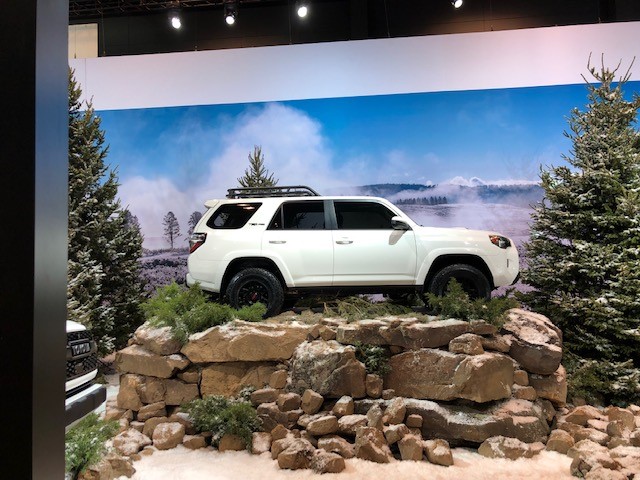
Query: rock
[388,393]
[580,415]
[337,444]
[634,438]
[260,442]
[157,340]
[230,442]
[622,415]
[325,425]
[521,377]
[99,471]
[601,473]
[344,406]
[498,343]
[157,409]
[587,455]
[136,425]
[438,452]
[439,375]
[536,343]
[560,441]
[264,395]
[178,392]
[414,421]
[240,341]
[395,411]
[194,442]
[524,393]
[137,359]
[128,397]
[152,390]
[410,447]
[120,466]
[373,385]
[190,375]
[617,428]
[168,435]
[311,402]
[297,454]
[288,401]
[547,408]
[591,434]
[328,368]
[279,432]
[375,417]
[394,433]
[327,462]
[130,442]
[371,445]
[348,424]
[113,412]
[467,343]
[229,378]
[505,447]
[552,387]
[618,442]
[278,379]
[327,333]
[184,419]
[151,424]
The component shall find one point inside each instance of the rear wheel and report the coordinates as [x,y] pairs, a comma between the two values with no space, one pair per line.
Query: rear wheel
[473,281]
[253,285]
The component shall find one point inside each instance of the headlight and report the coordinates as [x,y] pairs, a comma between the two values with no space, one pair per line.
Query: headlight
[500,241]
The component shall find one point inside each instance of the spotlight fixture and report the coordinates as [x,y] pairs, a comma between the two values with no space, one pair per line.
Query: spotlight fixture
[174,16]
[230,12]
[457,3]
[302,8]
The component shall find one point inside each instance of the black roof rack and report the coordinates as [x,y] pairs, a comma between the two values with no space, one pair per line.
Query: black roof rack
[260,192]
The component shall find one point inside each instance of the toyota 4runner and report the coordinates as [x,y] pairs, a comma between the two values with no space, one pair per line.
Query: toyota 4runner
[262,244]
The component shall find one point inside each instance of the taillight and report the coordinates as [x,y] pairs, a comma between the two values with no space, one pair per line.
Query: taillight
[195,240]
[500,241]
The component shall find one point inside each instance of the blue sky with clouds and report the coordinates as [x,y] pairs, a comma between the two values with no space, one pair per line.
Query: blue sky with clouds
[175,158]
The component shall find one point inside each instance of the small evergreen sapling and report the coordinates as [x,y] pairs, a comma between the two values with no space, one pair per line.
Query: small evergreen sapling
[257,175]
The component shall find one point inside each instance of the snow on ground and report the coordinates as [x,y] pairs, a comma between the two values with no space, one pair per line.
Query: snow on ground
[207,464]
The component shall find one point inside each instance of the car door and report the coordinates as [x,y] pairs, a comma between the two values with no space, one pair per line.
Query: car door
[367,249]
[299,242]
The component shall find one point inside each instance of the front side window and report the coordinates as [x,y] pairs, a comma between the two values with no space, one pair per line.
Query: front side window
[362,216]
[232,215]
[308,215]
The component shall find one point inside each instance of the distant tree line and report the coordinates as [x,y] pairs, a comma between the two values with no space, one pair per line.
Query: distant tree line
[423,201]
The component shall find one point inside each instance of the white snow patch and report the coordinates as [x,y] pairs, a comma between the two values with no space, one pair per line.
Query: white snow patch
[207,464]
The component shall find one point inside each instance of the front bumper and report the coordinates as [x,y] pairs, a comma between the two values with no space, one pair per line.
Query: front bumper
[84,402]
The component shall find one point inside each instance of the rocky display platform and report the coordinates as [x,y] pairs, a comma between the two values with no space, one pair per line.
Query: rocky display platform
[450,383]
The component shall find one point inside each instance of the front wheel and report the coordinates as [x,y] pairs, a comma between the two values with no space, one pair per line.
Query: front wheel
[253,285]
[473,281]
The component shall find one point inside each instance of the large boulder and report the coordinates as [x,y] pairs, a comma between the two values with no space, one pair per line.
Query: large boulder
[229,378]
[552,387]
[178,392]
[536,342]
[240,341]
[157,340]
[168,435]
[328,368]
[440,375]
[137,359]
[128,397]
[152,390]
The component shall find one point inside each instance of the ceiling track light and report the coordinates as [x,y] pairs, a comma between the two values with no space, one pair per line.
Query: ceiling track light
[457,3]
[175,19]
[230,12]
[302,8]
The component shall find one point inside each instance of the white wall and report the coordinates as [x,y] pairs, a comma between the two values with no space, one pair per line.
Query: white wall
[516,58]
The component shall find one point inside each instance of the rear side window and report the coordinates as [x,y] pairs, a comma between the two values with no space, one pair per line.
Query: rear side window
[233,215]
[363,216]
[308,215]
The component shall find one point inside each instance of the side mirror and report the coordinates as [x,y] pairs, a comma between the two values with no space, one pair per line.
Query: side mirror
[399,223]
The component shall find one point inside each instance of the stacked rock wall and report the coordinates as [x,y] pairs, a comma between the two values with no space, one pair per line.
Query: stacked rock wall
[449,381]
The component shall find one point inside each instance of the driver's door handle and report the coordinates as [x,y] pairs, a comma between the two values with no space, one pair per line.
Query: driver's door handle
[344,242]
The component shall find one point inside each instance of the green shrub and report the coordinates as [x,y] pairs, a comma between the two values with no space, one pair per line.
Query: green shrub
[187,311]
[85,443]
[455,303]
[374,357]
[360,308]
[220,415]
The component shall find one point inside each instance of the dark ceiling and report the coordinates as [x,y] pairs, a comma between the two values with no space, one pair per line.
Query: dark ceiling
[127,27]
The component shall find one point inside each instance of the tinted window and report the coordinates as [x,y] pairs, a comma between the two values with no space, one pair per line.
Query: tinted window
[363,216]
[232,215]
[299,216]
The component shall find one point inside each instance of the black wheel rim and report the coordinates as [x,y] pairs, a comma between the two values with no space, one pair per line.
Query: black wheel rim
[252,292]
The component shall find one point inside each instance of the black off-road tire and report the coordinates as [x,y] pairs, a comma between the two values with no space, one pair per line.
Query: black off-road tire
[253,285]
[473,281]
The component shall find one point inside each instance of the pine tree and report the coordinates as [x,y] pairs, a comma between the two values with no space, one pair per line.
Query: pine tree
[194,218]
[584,251]
[104,290]
[257,175]
[171,228]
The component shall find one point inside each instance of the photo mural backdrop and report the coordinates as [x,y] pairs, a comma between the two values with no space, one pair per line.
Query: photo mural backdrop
[451,143]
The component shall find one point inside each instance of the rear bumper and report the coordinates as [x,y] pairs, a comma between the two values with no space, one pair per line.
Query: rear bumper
[84,402]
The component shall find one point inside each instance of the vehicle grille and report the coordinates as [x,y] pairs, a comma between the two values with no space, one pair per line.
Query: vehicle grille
[81,366]
[73,336]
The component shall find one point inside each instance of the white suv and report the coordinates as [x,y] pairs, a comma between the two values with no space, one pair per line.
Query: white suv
[260,244]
